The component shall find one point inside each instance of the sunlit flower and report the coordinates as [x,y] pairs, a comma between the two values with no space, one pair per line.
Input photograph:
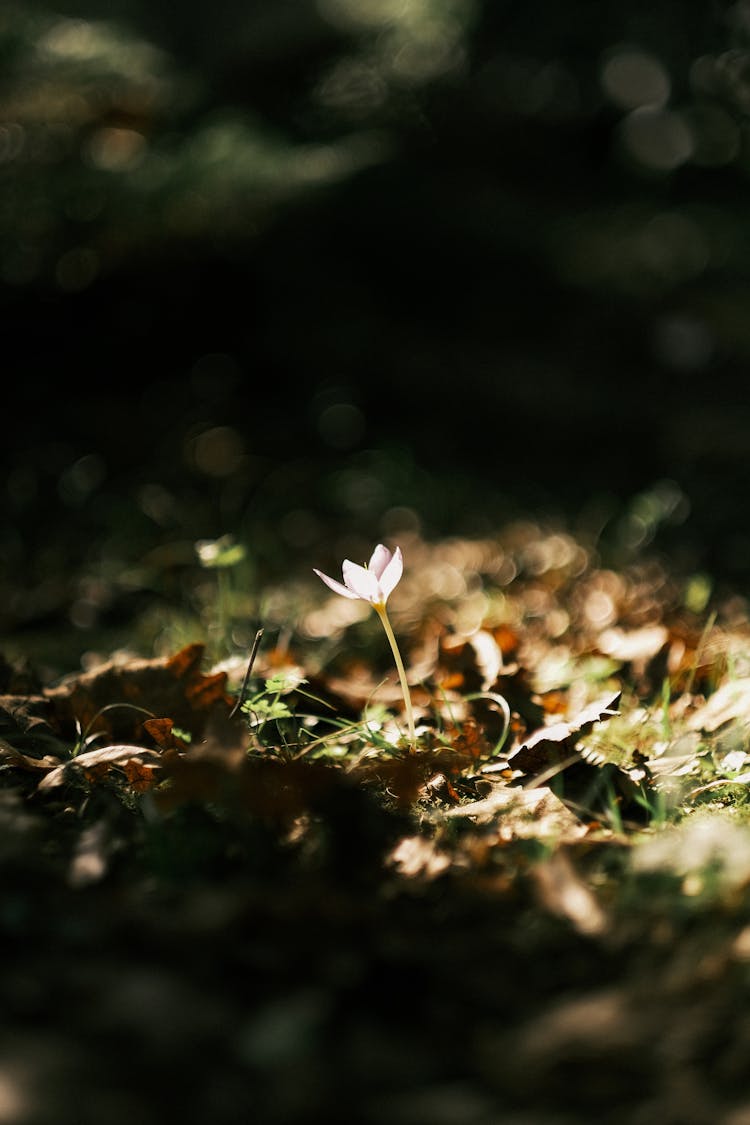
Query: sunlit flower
[373,583]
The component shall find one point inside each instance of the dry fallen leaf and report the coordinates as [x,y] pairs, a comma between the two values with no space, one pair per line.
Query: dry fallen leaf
[27,724]
[522,813]
[563,892]
[9,756]
[163,733]
[115,698]
[100,762]
[730,701]
[549,743]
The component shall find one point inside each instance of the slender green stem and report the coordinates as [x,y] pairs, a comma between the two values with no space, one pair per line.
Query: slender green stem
[381,612]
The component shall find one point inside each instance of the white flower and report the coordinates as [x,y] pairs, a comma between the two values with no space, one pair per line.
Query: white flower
[373,583]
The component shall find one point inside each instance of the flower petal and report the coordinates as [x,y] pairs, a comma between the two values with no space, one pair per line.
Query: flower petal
[361,581]
[391,576]
[336,586]
[381,556]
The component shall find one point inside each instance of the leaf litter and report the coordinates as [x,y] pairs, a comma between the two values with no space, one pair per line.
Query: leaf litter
[574,804]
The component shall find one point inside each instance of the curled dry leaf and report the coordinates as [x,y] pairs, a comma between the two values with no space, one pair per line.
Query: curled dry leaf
[549,743]
[102,759]
[9,756]
[26,724]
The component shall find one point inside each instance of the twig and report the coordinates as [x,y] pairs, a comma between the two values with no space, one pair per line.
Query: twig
[251,661]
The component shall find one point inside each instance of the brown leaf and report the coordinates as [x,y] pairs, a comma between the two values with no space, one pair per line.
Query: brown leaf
[563,892]
[440,787]
[140,776]
[468,663]
[551,743]
[202,692]
[184,663]
[522,813]
[269,789]
[471,739]
[507,640]
[407,778]
[730,702]
[162,732]
[403,778]
[9,756]
[554,702]
[25,722]
[97,763]
[116,698]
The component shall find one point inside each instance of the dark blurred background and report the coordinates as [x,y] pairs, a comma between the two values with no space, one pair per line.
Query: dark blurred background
[307,272]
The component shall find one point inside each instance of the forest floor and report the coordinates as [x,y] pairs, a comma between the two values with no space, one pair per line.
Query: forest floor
[232,897]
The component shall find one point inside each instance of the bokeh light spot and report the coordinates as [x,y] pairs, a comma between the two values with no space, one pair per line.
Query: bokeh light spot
[358,491]
[633,78]
[353,14]
[354,86]
[658,140]
[116,150]
[14,1103]
[600,608]
[341,425]
[158,503]
[217,452]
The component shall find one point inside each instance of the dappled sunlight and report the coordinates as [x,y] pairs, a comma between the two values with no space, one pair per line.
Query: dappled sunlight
[95,42]
[374,598]
[332,619]
[90,98]
[417,40]
[709,852]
